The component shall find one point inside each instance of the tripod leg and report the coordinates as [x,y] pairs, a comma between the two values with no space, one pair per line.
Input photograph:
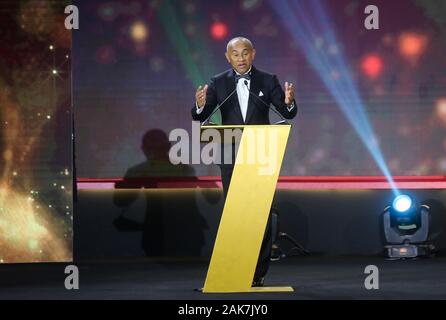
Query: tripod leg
[293,241]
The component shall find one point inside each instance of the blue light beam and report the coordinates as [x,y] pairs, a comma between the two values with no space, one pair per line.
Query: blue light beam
[307,21]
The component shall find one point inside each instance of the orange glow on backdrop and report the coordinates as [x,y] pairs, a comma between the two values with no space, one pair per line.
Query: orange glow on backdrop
[412,45]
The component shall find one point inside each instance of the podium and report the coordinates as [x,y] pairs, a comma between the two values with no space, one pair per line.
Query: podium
[246,209]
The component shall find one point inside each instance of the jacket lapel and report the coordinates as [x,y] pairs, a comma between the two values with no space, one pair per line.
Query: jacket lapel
[254,88]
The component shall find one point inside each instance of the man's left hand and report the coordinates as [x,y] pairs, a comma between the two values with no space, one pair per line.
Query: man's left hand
[289,93]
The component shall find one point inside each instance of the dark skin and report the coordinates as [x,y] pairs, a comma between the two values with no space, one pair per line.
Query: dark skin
[240,55]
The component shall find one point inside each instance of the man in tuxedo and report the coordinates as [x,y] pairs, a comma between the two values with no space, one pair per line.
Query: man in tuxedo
[244,109]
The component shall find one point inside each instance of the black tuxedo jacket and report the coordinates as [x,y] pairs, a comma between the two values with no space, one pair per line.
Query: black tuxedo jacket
[223,84]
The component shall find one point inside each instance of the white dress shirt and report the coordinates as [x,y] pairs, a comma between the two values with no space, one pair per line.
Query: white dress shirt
[243,94]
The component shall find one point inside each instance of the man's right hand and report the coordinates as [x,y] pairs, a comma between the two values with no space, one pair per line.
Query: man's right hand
[200,96]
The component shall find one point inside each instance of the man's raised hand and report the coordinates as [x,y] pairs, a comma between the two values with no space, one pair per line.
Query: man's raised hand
[200,96]
[289,93]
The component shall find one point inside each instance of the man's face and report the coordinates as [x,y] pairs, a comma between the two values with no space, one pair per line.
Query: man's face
[240,55]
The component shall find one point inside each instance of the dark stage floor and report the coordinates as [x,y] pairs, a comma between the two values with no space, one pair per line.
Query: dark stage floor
[312,278]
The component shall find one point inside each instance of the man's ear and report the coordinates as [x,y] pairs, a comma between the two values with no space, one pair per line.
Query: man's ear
[253,53]
[227,57]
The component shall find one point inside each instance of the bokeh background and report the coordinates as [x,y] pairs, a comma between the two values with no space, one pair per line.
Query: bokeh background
[35,133]
[136,65]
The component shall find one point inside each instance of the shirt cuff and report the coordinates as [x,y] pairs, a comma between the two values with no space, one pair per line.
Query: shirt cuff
[199,110]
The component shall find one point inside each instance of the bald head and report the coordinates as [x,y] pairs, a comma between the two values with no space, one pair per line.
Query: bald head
[242,40]
[240,53]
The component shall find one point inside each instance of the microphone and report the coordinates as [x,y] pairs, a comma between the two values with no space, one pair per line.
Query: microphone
[219,106]
[283,121]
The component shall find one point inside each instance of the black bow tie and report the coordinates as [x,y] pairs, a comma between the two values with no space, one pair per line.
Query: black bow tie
[246,76]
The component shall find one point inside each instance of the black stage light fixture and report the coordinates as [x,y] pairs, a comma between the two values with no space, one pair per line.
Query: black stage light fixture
[406,228]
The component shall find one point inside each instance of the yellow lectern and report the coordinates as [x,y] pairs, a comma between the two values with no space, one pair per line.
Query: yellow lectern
[246,210]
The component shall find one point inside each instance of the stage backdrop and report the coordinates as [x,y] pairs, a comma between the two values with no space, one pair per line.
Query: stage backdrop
[365,96]
[35,133]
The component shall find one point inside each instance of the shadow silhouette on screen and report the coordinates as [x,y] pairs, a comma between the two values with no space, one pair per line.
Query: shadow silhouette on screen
[172,223]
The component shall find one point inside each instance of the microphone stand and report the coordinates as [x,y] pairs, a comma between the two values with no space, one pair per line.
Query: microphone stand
[218,107]
[283,121]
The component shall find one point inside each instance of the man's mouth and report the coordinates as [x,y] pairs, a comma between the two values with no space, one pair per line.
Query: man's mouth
[242,65]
